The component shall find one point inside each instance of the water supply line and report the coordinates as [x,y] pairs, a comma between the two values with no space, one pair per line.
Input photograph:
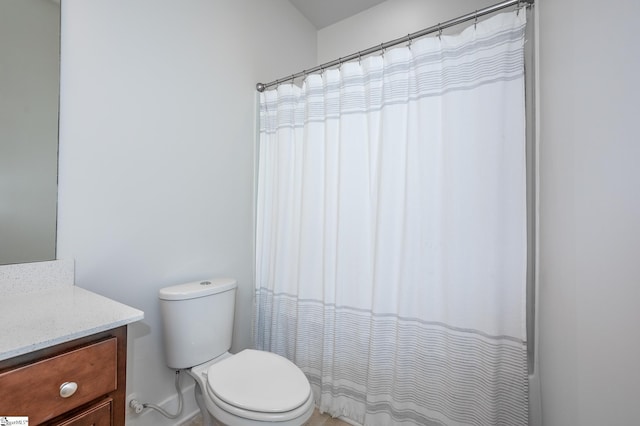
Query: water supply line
[138,407]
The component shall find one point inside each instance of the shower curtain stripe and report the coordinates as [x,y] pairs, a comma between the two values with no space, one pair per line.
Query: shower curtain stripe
[391,231]
[458,365]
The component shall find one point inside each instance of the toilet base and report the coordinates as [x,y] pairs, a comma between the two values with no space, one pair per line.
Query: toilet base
[207,420]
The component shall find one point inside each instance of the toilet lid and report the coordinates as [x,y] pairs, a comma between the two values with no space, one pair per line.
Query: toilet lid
[259,381]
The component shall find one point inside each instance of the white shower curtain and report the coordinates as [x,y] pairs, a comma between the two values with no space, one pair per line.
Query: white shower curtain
[391,238]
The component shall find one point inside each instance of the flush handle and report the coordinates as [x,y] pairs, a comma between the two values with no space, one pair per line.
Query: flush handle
[68,388]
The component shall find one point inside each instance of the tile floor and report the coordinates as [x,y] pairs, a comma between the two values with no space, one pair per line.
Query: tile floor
[324,420]
[316,420]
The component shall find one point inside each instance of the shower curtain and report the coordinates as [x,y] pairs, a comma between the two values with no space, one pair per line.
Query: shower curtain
[391,231]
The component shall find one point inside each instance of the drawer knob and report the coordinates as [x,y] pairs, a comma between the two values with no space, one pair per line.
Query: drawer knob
[68,388]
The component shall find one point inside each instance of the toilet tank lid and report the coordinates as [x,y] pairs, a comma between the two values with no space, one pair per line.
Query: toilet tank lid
[197,289]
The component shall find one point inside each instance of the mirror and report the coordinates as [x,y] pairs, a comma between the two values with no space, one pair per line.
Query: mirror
[29,93]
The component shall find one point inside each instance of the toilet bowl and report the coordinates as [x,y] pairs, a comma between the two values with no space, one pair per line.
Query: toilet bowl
[250,388]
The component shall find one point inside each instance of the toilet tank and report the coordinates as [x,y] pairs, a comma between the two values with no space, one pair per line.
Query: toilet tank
[197,321]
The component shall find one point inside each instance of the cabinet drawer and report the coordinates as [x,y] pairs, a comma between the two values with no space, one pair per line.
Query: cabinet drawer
[34,390]
[97,415]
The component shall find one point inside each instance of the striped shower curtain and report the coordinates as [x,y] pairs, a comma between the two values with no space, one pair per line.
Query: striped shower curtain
[391,231]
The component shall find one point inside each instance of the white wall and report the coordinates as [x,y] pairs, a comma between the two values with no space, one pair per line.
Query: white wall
[387,21]
[590,212]
[157,150]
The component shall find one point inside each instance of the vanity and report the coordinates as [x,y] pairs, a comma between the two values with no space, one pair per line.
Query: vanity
[63,357]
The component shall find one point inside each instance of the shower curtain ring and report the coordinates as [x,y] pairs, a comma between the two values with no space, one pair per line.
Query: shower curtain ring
[439,31]
[409,40]
[518,8]
[359,58]
[475,20]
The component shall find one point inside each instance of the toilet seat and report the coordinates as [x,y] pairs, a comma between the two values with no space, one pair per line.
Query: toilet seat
[259,385]
[219,407]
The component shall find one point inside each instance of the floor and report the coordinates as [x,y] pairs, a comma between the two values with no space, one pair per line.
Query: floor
[316,420]
[324,420]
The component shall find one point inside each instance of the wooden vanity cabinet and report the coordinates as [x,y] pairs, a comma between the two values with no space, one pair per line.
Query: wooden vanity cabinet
[78,383]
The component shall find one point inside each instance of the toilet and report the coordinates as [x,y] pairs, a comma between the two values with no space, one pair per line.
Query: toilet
[250,388]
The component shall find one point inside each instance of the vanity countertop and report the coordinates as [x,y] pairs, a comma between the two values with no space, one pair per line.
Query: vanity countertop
[36,320]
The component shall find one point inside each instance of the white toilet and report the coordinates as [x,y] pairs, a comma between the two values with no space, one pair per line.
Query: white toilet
[249,388]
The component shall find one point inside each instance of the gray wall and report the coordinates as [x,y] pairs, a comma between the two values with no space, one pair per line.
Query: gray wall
[157,143]
[589,212]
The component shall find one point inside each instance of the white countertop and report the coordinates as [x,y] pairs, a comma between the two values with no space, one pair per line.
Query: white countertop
[36,320]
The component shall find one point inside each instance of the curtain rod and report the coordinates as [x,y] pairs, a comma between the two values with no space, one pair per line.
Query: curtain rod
[260,87]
